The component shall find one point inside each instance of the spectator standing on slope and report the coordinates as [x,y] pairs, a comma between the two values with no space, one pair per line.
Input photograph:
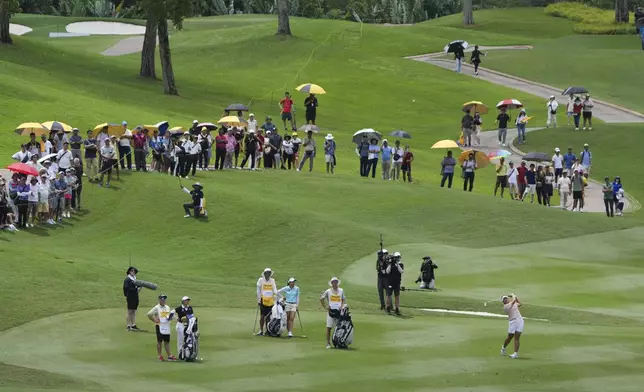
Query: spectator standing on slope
[125,148]
[309,151]
[501,176]
[91,152]
[552,106]
[586,159]
[503,119]
[374,154]
[286,107]
[557,163]
[329,153]
[467,122]
[531,183]
[311,104]
[46,147]
[447,170]
[512,182]
[362,150]
[469,167]
[75,143]
[408,158]
[386,160]
[565,188]
[570,108]
[577,181]
[397,159]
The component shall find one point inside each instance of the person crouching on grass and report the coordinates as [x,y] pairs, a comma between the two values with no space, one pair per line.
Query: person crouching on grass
[161,316]
[131,293]
[511,306]
[197,200]
[291,294]
[333,301]
[266,292]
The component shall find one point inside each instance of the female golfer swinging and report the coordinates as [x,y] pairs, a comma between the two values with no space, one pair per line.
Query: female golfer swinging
[511,306]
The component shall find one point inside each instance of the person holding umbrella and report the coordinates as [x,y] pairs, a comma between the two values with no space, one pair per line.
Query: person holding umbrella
[363,152]
[447,169]
[311,104]
[459,54]
[374,154]
[469,167]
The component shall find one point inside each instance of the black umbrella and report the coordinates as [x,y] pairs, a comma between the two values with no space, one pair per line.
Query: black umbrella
[237,107]
[574,90]
[536,157]
[454,45]
[401,133]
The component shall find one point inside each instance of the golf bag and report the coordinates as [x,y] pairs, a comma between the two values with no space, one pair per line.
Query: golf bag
[343,332]
[276,324]
[190,349]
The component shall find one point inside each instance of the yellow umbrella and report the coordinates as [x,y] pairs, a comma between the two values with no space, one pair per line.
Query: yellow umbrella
[479,156]
[25,129]
[112,129]
[232,120]
[177,130]
[445,144]
[310,88]
[475,106]
[525,120]
[57,126]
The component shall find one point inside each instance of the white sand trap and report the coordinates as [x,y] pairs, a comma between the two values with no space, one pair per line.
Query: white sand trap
[479,314]
[105,28]
[16,29]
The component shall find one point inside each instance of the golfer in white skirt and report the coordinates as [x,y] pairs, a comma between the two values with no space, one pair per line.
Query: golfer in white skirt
[511,306]
[291,295]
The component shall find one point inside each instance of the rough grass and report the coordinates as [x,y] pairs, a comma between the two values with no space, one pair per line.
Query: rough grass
[591,20]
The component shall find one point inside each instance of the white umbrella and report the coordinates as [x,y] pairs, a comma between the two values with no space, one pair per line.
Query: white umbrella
[371,134]
[47,158]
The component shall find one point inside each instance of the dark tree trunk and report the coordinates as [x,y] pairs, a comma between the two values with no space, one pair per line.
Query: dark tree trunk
[621,11]
[5,16]
[148,69]
[169,86]
[283,24]
[468,13]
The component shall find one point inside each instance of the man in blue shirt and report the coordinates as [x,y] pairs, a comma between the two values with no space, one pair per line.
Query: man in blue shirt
[586,159]
[569,159]
[268,125]
[291,295]
[531,179]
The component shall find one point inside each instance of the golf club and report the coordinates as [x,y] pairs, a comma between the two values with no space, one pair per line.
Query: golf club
[497,299]
[255,323]
[301,326]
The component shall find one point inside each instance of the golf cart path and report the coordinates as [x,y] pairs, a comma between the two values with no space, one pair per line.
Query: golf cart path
[604,111]
[125,46]
[594,201]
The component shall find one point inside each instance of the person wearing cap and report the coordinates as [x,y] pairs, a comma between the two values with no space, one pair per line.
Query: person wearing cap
[564,186]
[291,295]
[45,145]
[427,278]
[386,160]
[108,159]
[205,141]
[58,189]
[23,155]
[75,142]
[531,183]
[502,119]
[469,167]
[558,163]
[231,143]
[309,151]
[587,112]
[131,294]
[194,152]
[32,201]
[577,181]
[513,185]
[252,123]
[577,108]
[250,145]
[91,152]
[22,201]
[71,180]
[266,292]
[394,272]
[329,153]
[221,140]
[287,151]
[64,158]
[609,198]
[161,315]
[194,129]
[44,190]
[184,312]
[78,188]
[311,104]
[286,108]
[276,147]
[586,159]
[59,138]
[297,142]
[501,176]
[139,139]
[551,107]
[408,158]
[511,306]
[125,148]
[381,270]
[332,300]
[197,200]
[362,150]
[521,122]
[569,159]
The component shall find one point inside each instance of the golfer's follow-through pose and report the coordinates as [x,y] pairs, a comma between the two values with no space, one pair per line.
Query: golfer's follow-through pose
[511,306]
[332,300]
[131,293]
[266,292]
[161,315]
[197,200]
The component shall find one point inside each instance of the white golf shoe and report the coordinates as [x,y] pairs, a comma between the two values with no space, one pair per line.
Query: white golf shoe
[515,356]
[503,351]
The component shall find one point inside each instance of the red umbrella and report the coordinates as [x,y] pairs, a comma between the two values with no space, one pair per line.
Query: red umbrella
[509,104]
[23,169]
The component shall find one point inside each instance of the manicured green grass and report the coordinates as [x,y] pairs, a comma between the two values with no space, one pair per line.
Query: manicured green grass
[582,272]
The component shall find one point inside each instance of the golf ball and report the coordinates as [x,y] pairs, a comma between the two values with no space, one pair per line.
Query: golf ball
[413,100]
[484,303]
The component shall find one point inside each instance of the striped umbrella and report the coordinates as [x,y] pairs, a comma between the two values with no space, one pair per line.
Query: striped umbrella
[509,104]
[498,154]
[57,126]
[25,129]
[310,88]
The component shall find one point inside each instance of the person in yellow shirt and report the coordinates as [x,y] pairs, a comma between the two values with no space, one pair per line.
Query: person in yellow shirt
[501,176]
[333,301]
[161,315]
[266,293]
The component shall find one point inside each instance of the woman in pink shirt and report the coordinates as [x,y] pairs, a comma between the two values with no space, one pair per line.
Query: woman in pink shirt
[511,306]
[230,149]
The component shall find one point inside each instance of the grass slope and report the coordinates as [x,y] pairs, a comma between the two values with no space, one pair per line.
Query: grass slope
[580,271]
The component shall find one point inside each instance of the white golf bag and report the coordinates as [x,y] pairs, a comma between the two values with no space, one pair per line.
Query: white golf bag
[343,332]
[189,350]
[276,324]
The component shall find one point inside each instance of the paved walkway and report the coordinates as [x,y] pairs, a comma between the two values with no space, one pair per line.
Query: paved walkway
[594,201]
[604,111]
[125,46]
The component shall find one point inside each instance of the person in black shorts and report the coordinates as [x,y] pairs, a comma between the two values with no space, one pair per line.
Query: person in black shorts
[161,315]
[131,293]
[311,104]
[394,273]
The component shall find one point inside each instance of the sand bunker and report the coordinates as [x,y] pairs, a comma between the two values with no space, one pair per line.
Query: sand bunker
[105,28]
[16,29]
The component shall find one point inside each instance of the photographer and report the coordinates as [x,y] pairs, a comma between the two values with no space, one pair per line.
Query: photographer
[131,293]
[394,273]
[426,278]
[381,267]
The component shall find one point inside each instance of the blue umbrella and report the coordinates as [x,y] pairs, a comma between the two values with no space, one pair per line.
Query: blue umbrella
[162,127]
[400,133]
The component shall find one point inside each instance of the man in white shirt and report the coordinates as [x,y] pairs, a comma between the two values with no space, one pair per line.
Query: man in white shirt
[108,156]
[23,155]
[252,123]
[552,106]
[333,301]
[511,306]
[565,188]
[64,158]
[512,181]
[161,315]
[266,293]
[557,163]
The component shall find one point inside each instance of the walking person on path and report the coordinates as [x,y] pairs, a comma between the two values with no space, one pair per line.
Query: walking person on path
[577,107]
[501,176]
[621,196]
[309,151]
[467,122]
[547,190]
[477,123]
[557,163]
[397,154]
[531,183]
[586,159]
[552,106]
[329,153]
[362,150]
[569,160]
[459,55]
[565,188]
[577,191]
[408,158]
[541,181]
[386,160]
[609,198]
[588,112]
[617,185]
[374,153]
[570,108]
[512,181]
[521,124]
[469,166]
[502,120]
[447,169]
[475,59]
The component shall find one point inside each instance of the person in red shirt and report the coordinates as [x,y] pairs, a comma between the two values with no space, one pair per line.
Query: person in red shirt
[408,158]
[577,106]
[140,148]
[260,148]
[286,105]
[220,149]
[521,180]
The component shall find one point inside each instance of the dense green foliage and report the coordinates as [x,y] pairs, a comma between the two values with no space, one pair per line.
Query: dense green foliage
[591,20]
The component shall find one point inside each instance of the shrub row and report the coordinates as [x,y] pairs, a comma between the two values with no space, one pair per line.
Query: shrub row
[591,20]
